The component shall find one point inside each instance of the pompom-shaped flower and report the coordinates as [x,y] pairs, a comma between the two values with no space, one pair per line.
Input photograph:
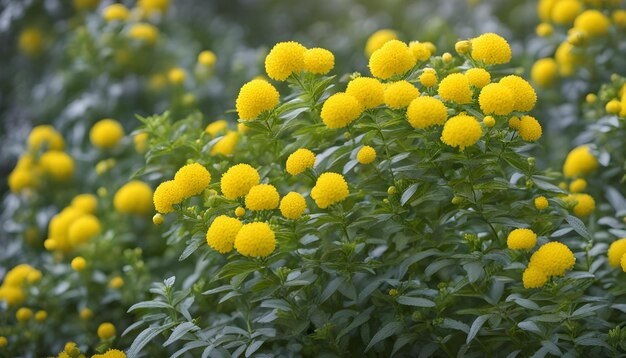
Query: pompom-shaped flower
[541,203]
[428,78]
[400,94]
[617,249]
[192,179]
[83,229]
[256,239]
[167,194]
[284,59]
[299,161]
[106,133]
[378,39]
[455,88]
[521,239]
[544,71]
[292,205]
[420,50]
[553,259]
[368,91]
[497,99]
[478,77]
[579,161]
[584,204]
[86,203]
[115,12]
[461,131]
[57,164]
[21,179]
[490,48]
[340,109]
[318,60]
[534,278]
[176,76]
[578,185]
[564,11]
[529,129]
[329,189]
[523,93]
[366,155]
[256,97]
[23,314]
[262,197]
[207,58]
[394,58]
[238,180]
[489,121]
[222,232]
[593,22]
[226,145]
[144,32]
[216,127]
[79,264]
[424,112]
[106,330]
[134,197]
[45,136]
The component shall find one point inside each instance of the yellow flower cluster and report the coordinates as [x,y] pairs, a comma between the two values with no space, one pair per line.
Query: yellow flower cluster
[189,180]
[256,97]
[579,162]
[262,197]
[366,155]
[222,233]
[106,133]
[617,254]
[392,59]
[551,260]
[330,188]
[134,197]
[293,205]
[461,131]
[238,180]
[299,161]
[399,94]
[287,58]
[74,225]
[13,288]
[521,239]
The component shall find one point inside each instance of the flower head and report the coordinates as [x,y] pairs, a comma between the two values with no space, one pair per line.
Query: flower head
[106,330]
[299,161]
[393,58]
[83,229]
[226,145]
[318,60]
[144,32]
[256,97]
[521,239]
[461,131]
[115,12]
[579,161]
[79,264]
[256,239]
[366,155]
[400,94]
[106,133]
[496,99]
[238,180]
[329,189]
[553,259]
[262,197]
[340,109]
[284,59]
[368,91]
[541,203]
[544,71]
[616,251]
[192,179]
[207,58]
[529,129]
[523,93]
[584,204]
[490,48]
[86,203]
[534,278]
[134,197]
[222,232]
[378,39]
[455,88]
[57,164]
[478,77]
[428,78]
[167,194]
[45,136]
[292,205]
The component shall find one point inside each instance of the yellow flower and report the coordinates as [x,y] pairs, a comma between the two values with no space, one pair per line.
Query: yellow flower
[428,78]
[455,88]
[21,179]
[217,127]
[446,57]
[144,32]
[207,58]
[420,50]
[3,341]
[158,219]
[340,109]
[378,39]
[255,240]
[489,121]
[529,129]
[284,59]
[57,164]
[256,97]
[85,313]
[111,353]
[23,314]
[318,60]
[541,203]
[393,58]
[330,188]
[134,197]
[299,161]
[521,239]
[140,140]
[79,264]
[478,77]
[86,203]
[523,93]
[226,145]
[167,194]
[566,58]
[192,179]
[222,232]
[424,112]
[584,204]
[116,282]
[619,18]
[176,76]
[31,42]
[238,180]
[579,162]
[565,11]
[462,47]
[578,185]
[292,205]
[240,211]
[368,91]
[366,155]
[106,330]
[461,131]
[45,136]
[534,278]
[490,48]
[106,133]
[400,94]
[41,315]
[544,72]
[613,107]
[497,99]
[553,259]
[616,252]
[83,229]
[13,296]
[150,7]
[262,197]
[544,29]
[115,12]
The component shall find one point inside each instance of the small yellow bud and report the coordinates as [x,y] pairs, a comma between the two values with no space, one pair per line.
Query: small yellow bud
[591,98]
[392,190]
[41,315]
[23,314]
[240,211]
[157,219]
[79,264]
[544,29]
[446,57]
[86,313]
[462,47]
[613,107]
[116,282]
[489,121]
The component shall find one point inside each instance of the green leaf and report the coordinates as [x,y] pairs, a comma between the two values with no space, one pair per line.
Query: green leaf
[385,332]
[578,226]
[476,326]
[415,301]
[408,193]
[474,271]
[192,246]
[180,331]
[358,320]
[253,347]
[145,337]
[149,304]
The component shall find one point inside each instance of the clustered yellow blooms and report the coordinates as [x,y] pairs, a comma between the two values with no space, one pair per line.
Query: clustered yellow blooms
[550,260]
[134,197]
[521,239]
[585,22]
[617,254]
[287,58]
[578,163]
[75,225]
[190,180]
[14,287]
[106,133]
